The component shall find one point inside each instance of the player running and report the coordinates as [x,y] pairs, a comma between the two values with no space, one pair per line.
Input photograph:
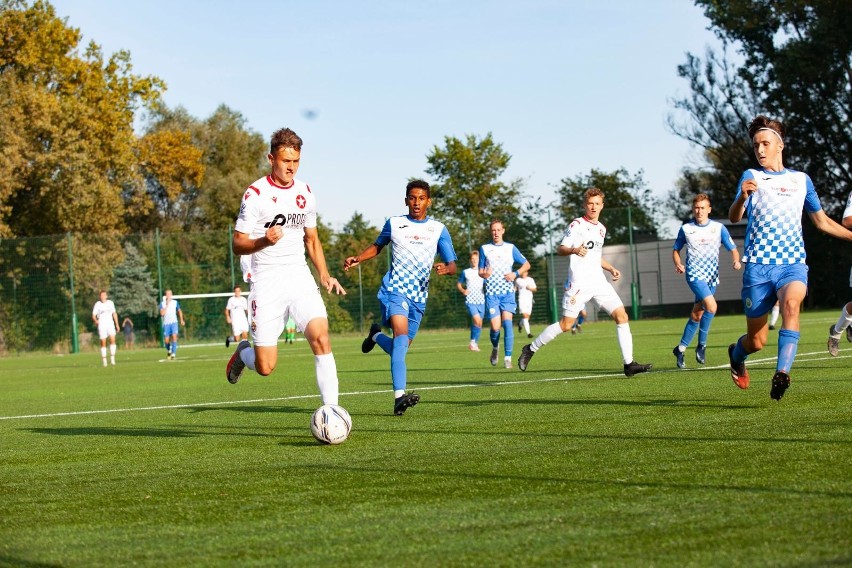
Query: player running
[584,240]
[471,285]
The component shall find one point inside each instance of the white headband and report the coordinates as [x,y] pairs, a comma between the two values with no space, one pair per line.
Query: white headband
[775,132]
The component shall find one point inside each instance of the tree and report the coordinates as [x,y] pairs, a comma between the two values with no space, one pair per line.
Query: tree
[132,288]
[66,126]
[621,191]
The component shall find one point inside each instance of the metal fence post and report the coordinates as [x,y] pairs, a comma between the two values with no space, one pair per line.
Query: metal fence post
[75,339]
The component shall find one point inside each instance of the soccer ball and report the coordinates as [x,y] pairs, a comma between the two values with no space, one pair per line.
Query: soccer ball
[331,424]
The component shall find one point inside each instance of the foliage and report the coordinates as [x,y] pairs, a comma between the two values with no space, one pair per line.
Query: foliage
[621,191]
[132,288]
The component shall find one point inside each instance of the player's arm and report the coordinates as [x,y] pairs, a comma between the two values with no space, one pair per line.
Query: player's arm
[446,268]
[738,208]
[679,266]
[829,226]
[616,274]
[95,318]
[371,251]
[115,319]
[313,247]
[242,243]
[180,316]
[847,222]
[447,254]
[517,274]
[461,287]
[227,314]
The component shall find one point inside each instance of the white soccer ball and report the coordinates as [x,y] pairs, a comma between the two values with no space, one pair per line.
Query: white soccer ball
[331,424]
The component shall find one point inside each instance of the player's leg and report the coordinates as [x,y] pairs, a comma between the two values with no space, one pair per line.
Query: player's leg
[103,338]
[492,312]
[508,306]
[689,331]
[476,312]
[573,303]
[836,330]
[325,366]
[610,302]
[112,348]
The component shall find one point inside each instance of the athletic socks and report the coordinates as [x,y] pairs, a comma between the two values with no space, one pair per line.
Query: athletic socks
[625,341]
[327,382]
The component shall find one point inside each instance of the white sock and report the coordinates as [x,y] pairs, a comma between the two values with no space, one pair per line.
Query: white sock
[526,323]
[247,355]
[844,321]
[550,333]
[327,381]
[398,393]
[773,317]
[625,341]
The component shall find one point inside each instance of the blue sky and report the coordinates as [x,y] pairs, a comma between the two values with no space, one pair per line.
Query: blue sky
[564,86]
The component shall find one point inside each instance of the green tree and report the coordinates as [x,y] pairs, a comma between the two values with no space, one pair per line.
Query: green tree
[622,191]
[132,288]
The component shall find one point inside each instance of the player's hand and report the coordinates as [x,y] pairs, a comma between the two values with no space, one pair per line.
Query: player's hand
[350,262]
[749,186]
[330,284]
[509,276]
[440,268]
[274,234]
[582,251]
[616,274]
[737,265]
[679,268]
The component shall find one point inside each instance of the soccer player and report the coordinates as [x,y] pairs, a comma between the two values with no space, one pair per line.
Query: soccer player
[414,239]
[702,238]
[471,285]
[104,316]
[772,198]
[277,226]
[496,265]
[525,285]
[844,322]
[584,240]
[171,313]
[236,314]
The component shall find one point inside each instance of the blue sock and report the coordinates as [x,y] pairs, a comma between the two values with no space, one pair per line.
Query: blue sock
[495,337]
[174,347]
[508,337]
[788,344]
[399,371]
[385,342]
[739,354]
[580,319]
[704,327]
[689,332]
[475,332]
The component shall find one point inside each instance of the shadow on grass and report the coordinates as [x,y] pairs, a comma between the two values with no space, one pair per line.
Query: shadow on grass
[710,403]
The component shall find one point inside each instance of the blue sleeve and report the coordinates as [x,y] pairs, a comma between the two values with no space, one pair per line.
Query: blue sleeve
[445,246]
[462,277]
[727,241]
[812,204]
[177,305]
[680,241]
[385,236]
[517,256]
[746,176]
[483,260]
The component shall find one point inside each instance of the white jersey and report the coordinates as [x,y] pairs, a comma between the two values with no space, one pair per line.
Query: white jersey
[848,211]
[474,284]
[171,309]
[237,307]
[103,311]
[585,270]
[265,203]
[525,287]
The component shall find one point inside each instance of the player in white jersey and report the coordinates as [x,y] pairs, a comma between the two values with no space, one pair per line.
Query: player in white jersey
[525,285]
[471,285]
[236,314]
[702,239]
[277,226]
[171,313]
[844,322]
[415,239]
[496,265]
[105,318]
[772,198]
[584,240]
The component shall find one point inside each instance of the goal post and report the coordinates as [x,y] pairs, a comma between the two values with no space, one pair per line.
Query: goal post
[204,315]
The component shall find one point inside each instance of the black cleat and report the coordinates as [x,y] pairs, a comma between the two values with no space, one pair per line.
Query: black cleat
[529,336]
[634,368]
[403,403]
[849,334]
[235,367]
[228,341]
[524,359]
[780,382]
[493,358]
[681,364]
[368,343]
[700,353]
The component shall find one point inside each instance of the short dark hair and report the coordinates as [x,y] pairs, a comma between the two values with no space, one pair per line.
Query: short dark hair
[285,138]
[418,184]
[761,121]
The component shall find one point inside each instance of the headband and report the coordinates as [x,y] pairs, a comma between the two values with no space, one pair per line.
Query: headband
[773,131]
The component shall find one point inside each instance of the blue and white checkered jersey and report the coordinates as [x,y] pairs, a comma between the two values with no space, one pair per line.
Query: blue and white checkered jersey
[413,248]
[473,283]
[501,258]
[702,249]
[774,211]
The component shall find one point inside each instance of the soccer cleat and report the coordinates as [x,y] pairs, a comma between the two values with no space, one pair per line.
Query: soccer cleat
[681,364]
[771,327]
[235,367]
[739,373]
[493,357]
[228,341]
[579,328]
[524,359]
[473,346]
[849,334]
[634,368]
[403,403]
[574,330]
[700,352]
[833,342]
[507,362]
[368,343]
[780,382]
[529,336]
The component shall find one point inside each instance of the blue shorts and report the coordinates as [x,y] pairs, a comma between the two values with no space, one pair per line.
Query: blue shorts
[170,329]
[395,304]
[701,289]
[495,305]
[476,310]
[761,283]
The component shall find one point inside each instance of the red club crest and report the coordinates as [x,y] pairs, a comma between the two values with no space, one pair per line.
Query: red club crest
[301,202]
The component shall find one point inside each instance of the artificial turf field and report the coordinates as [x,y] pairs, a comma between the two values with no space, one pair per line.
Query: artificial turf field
[568,464]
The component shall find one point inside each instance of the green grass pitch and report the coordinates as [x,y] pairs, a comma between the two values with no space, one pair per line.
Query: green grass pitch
[157,463]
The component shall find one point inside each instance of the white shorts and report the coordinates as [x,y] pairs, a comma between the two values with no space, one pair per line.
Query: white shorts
[575,298]
[273,300]
[525,305]
[239,324]
[106,329]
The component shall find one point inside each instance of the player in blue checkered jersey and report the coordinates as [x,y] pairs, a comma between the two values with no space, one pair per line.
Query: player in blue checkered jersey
[702,239]
[772,198]
[415,239]
[496,264]
[844,322]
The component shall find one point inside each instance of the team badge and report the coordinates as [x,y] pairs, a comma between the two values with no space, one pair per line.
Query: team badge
[748,303]
[253,327]
[301,202]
